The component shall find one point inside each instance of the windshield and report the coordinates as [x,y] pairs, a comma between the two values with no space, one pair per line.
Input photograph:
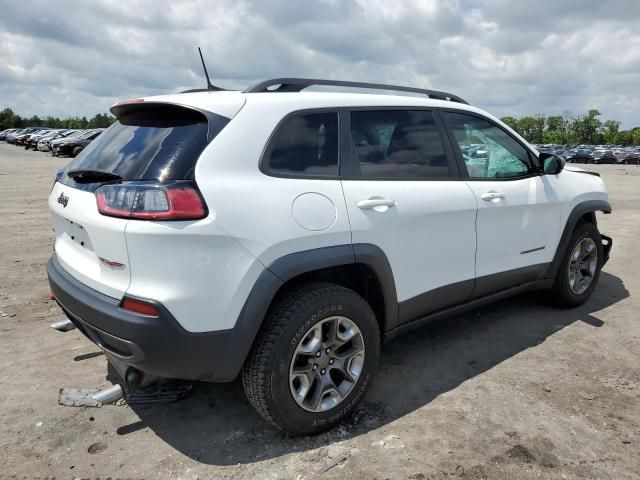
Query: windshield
[153,143]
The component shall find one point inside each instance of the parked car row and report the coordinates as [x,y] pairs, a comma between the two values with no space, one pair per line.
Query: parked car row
[60,142]
[609,154]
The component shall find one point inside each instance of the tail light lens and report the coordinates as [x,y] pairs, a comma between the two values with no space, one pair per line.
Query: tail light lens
[151,201]
[139,306]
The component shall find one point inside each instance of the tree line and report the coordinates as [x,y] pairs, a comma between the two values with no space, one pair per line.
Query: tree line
[563,129]
[10,119]
[567,129]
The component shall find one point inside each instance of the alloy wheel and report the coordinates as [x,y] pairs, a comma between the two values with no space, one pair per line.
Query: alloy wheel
[326,364]
[582,265]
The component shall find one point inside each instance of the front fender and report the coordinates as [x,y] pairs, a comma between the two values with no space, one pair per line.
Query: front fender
[588,206]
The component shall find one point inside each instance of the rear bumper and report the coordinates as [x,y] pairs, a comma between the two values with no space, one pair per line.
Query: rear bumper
[157,346]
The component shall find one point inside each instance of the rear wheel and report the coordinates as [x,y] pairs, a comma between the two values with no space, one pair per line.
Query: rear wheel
[314,358]
[580,268]
[76,151]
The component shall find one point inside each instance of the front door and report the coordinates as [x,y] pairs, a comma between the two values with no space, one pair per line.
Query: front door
[519,214]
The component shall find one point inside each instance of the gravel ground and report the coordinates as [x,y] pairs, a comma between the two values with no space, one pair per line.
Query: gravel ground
[514,390]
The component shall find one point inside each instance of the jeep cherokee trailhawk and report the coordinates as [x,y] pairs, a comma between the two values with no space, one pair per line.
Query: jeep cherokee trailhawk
[283,235]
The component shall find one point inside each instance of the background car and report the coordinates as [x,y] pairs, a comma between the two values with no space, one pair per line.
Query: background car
[604,156]
[35,141]
[19,137]
[579,155]
[627,157]
[53,144]
[4,133]
[43,144]
[23,137]
[31,142]
[74,145]
[11,138]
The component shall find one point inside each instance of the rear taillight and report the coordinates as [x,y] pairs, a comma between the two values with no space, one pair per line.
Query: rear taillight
[151,201]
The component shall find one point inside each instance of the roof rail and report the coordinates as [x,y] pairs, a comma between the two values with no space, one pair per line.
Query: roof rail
[298,84]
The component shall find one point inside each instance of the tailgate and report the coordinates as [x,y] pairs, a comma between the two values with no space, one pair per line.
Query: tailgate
[90,246]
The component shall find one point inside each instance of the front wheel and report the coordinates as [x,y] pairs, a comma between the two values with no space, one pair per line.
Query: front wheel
[580,268]
[314,358]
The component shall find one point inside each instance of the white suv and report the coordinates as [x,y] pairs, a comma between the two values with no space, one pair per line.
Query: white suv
[283,235]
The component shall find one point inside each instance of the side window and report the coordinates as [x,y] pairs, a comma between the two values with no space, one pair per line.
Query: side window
[305,144]
[398,144]
[487,150]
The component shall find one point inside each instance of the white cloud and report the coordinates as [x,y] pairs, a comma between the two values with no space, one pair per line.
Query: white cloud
[511,58]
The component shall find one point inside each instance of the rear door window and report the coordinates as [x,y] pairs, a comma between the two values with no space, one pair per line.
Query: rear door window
[397,144]
[155,142]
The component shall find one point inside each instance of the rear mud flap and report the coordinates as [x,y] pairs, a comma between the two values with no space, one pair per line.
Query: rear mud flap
[607,243]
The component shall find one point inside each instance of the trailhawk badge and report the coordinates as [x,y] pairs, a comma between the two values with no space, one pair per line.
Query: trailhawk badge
[63,199]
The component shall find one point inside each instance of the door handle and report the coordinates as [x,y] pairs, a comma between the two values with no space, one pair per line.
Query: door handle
[492,196]
[375,202]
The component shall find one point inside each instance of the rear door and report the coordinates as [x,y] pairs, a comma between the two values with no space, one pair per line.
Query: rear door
[518,213]
[404,195]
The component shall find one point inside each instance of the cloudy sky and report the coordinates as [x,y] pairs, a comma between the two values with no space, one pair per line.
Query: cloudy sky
[507,56]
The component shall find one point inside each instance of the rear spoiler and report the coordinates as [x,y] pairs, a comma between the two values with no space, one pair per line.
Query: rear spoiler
[170,112]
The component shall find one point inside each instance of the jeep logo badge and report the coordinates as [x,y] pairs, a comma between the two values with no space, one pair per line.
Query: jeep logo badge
[63,199]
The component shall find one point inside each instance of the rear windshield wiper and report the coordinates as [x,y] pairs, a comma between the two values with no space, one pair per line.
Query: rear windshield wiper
[91,176]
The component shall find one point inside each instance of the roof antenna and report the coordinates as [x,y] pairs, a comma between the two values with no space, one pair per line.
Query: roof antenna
[210,87]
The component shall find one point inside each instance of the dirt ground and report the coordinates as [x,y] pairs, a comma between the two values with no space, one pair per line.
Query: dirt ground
[516,390]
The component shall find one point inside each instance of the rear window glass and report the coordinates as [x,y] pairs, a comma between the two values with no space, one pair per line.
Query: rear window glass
[159,142]
[305,144]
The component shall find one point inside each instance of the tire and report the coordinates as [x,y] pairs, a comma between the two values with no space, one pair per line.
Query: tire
[76,151]
[566,293]
[295,317]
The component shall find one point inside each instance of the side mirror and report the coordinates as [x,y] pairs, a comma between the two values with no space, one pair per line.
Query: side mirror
[551,165]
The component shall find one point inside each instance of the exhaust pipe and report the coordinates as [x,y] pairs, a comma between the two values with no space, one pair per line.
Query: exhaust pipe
[63,325]
[109,395]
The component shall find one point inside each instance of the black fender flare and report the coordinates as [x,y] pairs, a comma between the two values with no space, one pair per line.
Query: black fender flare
[288,267]
[372,256]
[578,211]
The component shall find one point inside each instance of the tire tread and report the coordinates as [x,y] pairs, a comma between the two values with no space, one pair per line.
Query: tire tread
[256,371]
